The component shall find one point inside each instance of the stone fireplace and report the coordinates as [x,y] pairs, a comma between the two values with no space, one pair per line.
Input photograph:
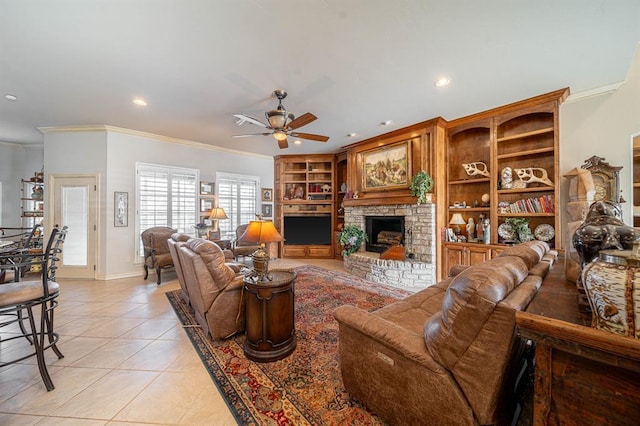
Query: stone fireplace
[417,226]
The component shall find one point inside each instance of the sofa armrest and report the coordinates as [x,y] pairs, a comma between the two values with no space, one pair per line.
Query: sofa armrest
[400,340]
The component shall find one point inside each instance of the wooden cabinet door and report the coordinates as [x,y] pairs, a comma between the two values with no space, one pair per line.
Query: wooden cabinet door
[453,255]
[319,251]
[294,251]
[478,254]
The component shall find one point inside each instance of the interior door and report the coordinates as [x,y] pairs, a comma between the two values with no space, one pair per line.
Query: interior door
[75,205]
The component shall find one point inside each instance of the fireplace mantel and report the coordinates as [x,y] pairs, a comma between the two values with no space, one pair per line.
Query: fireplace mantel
[384,200]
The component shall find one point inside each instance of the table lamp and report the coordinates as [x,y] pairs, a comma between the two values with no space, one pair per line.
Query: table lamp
[217,213]
[457,220]
[261,232]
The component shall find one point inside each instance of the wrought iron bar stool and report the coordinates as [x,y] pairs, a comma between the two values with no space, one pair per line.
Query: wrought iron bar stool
[33,301]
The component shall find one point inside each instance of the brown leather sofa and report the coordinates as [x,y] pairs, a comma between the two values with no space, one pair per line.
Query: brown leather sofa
[178,239]
[213,288]
[449,354]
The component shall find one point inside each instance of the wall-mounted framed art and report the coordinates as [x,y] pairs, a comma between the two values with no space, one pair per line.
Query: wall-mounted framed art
[120,209]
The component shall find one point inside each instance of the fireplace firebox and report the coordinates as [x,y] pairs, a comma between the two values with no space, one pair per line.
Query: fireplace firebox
[383,232]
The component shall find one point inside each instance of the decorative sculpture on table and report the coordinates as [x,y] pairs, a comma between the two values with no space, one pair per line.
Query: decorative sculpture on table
[476,168]
[528,175]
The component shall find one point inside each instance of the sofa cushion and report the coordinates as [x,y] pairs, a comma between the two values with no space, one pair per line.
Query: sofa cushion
[468,303]
[531,252]
[214,259]
[411,311]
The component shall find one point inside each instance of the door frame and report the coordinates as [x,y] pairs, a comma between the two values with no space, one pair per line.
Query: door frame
[50,209]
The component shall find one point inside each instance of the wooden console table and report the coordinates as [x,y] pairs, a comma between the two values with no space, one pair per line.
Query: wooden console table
[583,376]
[269,317]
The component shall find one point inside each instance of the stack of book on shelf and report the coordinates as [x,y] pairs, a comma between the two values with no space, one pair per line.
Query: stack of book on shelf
[542,204]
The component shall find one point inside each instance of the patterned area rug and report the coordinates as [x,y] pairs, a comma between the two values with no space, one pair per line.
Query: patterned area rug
[306,387]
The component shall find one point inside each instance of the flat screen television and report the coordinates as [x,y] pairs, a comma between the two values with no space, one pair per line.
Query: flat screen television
[307,230]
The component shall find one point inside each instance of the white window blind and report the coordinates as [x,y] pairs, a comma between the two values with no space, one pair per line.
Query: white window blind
[166,196]
[237,195]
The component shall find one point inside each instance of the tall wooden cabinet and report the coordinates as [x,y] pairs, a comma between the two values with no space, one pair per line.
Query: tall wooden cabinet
[523,135]
[304,208]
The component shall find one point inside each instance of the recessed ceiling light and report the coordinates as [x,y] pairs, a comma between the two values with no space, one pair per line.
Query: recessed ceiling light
[297,142]
[11,97]
[387,122]
[352,135]
[442,82]
[140,102]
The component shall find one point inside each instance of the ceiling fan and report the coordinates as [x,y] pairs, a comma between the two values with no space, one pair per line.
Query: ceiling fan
[281,123]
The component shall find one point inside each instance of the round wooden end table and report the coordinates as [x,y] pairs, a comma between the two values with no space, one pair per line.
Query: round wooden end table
[269,316]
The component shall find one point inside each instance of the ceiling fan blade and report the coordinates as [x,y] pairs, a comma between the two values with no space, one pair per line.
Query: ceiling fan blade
[303,120]
[251,134]
[283,144]
[242,118]
[310,136]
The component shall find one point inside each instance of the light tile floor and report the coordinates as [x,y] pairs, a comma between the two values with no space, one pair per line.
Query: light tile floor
[126,361]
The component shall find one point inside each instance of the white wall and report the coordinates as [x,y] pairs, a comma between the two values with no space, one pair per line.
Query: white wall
[603,125]
[16,162]
[113,154]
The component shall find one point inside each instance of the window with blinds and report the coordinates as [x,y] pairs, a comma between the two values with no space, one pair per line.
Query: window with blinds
[166,196]
[237,195]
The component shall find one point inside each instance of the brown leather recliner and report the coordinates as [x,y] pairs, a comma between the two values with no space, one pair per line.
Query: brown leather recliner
[214,289]
[156,250]
[449,354]
[177,239]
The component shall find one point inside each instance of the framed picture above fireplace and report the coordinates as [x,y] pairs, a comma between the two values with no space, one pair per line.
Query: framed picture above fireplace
[388,167]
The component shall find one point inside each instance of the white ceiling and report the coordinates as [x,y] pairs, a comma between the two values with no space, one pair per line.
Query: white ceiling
[353,63]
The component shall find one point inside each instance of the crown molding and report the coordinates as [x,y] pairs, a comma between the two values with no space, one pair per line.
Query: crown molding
[597,91]
[22,145]
[106,128]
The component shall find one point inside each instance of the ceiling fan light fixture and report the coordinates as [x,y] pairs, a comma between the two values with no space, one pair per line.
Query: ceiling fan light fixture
[279,118]
[279,136]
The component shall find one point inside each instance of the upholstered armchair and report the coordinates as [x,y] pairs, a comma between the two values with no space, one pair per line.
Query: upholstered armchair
[214,289]
[242,248]
[156,250]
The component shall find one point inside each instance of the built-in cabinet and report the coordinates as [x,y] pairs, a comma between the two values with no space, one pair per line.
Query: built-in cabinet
[503,163]
[304,207]
[31,203]
[341,187]
[636,182]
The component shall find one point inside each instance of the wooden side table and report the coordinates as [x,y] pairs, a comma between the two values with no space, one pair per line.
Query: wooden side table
[269,316]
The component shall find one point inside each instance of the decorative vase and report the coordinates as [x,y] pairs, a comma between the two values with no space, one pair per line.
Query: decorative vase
[603,229]
[612,285]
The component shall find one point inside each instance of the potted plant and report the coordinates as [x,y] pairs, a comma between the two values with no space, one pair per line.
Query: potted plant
[520,225]
[351,238]
[421,185]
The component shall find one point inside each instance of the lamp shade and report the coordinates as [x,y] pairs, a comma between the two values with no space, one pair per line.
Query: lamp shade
[457,219]
[217,213]
[261,231]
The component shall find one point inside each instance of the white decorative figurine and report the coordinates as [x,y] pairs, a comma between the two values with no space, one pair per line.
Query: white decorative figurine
[476,168]
[508,182]
[528,175]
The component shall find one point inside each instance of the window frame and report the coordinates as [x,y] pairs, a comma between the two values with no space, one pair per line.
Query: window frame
[171,171]
[236,215]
